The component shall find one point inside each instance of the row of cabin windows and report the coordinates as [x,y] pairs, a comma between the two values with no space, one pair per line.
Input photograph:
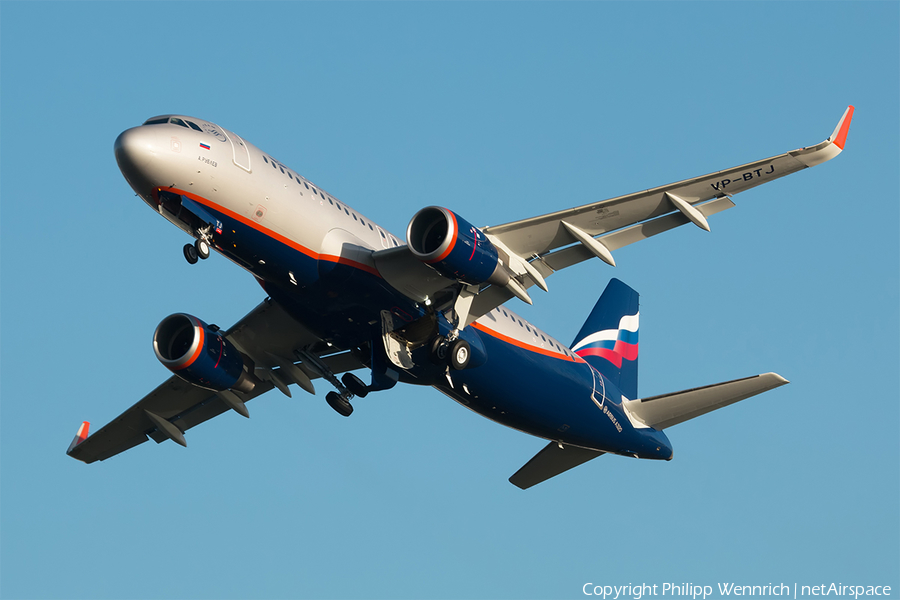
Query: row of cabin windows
[275,165]
[534,332]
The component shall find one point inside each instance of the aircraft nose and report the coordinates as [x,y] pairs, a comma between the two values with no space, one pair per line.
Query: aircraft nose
[134,149]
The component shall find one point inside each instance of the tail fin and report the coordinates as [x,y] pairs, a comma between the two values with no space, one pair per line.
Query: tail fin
[608,340]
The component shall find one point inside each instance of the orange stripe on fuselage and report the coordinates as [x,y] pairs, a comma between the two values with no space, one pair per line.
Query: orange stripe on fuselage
[523,345]
[277,236]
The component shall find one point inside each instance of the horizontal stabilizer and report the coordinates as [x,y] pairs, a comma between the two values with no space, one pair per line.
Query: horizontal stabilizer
[660,412]
[554,459]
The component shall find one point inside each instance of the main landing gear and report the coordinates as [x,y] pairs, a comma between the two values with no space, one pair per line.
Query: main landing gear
[347,387]
[456,353]
[340,402]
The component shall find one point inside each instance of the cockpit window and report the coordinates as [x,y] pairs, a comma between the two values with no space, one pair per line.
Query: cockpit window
[194,126]
[177,121]
[157,121]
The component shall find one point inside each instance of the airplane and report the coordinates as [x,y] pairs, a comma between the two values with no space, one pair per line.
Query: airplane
[344,294]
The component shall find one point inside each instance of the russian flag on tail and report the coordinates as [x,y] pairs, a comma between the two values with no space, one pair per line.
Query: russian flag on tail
[608,340]
[615,345]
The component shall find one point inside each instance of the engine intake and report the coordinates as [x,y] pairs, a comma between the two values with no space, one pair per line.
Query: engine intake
[201,355]
[454,247]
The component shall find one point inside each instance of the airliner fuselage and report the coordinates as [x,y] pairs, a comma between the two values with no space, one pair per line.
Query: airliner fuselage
[313,255]
[344,294]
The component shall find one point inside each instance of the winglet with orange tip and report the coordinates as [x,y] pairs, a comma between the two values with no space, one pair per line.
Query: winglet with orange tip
[839,137]
[80,436]
[816,155]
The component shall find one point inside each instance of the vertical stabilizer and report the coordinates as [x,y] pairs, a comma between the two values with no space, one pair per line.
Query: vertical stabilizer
[608,340]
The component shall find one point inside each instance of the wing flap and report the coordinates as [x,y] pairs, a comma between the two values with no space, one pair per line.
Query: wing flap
[660,412]
[550,462]
[548,264]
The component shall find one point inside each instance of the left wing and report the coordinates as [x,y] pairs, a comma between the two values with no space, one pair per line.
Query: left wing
[554,459]
[268,335]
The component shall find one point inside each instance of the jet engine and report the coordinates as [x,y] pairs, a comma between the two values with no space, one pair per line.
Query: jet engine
[201,355]
[454,247]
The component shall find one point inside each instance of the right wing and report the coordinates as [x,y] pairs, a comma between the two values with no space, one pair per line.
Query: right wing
[539,246]
[540,235]
[268,335]
[599,228]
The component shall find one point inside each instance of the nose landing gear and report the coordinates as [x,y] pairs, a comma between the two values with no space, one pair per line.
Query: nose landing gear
[190,254]
[196,251]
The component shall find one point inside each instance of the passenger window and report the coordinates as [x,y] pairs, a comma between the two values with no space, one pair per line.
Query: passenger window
[304,183]
[265,159]
[193,126]
[354,217]
[330,202]
[370,227]
[347,211]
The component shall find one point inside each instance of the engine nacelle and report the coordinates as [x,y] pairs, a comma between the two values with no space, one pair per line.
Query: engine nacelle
[454,247]
[200,355]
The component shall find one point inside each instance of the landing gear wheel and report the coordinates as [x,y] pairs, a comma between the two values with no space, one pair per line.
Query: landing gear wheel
[439,351]
[202,249]
[339,403]
[190,254]
[355,385]
[460,353]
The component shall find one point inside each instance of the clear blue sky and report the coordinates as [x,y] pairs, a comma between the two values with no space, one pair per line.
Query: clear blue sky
[535,107]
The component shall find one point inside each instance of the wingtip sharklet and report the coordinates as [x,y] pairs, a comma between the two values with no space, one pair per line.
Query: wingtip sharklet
[839,136]
[831,147]
[80,436]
